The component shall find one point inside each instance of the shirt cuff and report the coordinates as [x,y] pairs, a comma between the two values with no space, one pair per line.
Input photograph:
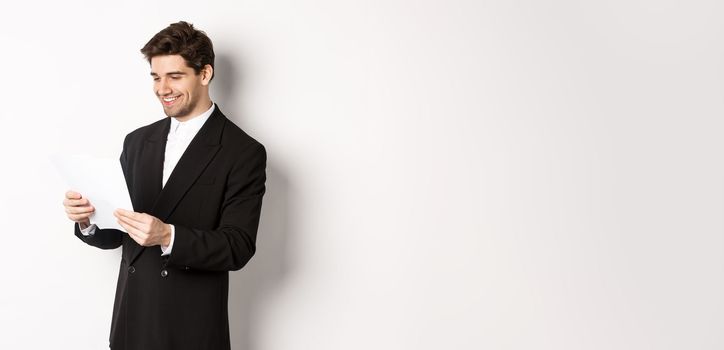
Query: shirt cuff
[166,250]
[88,231]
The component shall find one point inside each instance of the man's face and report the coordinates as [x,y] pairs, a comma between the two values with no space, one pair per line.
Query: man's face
[178,87]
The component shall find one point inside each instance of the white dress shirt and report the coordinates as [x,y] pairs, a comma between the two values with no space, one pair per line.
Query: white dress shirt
[179,137]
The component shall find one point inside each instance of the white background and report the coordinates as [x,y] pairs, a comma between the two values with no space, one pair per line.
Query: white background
[442,174]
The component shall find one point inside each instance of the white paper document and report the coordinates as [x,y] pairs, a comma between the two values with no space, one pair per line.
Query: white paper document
[101,181]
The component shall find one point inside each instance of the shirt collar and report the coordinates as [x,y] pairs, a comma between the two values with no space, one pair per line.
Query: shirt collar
[193,125]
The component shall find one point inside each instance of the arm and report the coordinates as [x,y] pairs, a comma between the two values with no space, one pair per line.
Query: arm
[79,210]
[230,246]
[101,238]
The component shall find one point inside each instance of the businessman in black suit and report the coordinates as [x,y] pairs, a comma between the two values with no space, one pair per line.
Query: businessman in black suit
[196,182]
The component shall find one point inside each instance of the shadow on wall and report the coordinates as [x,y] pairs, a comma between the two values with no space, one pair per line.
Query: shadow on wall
[249,287]
[255,283]
[226,86]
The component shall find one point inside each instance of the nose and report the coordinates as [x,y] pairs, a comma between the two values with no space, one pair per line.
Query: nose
[162,87]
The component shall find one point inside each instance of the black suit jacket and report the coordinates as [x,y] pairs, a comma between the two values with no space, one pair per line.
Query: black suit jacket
[213,198]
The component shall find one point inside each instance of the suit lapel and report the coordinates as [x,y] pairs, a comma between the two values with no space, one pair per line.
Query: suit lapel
[149,175]
[151,166]
[160,202]
[197,156]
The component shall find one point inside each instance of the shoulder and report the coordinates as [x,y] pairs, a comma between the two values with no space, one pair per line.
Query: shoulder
[150,131]
[233,137]
[241,150]
[147,130]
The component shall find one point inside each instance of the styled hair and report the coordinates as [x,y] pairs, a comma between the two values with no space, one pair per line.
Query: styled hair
[182,39]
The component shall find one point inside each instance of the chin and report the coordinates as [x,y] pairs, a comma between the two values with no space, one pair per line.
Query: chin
[169,113]
[176,113]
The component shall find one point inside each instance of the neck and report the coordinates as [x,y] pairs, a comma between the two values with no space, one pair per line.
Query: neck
[202,107]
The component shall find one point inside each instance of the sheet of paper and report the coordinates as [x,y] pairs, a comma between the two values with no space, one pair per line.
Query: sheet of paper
[101,181]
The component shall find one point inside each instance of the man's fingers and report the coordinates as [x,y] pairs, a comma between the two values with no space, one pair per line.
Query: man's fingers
[139,218]
[134,233]
[79,210]
[129,214]
[129,229]
[140,226]
[75,202]
[78,217]
[73,195]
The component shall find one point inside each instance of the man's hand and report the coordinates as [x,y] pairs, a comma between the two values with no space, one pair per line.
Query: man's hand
[78,208]
[145,229]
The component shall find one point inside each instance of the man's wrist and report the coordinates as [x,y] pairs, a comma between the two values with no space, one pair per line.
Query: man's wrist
[168,247]
[167,236]
[83,225]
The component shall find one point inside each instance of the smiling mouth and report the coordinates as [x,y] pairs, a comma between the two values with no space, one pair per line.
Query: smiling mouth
[167,101]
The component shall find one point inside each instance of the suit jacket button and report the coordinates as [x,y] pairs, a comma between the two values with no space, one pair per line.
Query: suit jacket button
[131,269]
[164,273]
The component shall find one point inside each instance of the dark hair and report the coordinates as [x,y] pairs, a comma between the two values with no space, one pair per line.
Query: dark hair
[182,39]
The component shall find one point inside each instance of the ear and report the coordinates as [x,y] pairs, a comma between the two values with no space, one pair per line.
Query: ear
[206,73]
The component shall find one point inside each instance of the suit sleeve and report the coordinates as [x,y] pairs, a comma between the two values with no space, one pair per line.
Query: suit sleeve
[230,246]
[102,238]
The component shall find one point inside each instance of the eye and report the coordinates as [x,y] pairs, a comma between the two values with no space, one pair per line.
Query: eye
[175,77]
[156,79]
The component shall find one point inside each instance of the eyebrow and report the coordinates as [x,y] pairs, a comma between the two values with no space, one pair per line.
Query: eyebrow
[169,73]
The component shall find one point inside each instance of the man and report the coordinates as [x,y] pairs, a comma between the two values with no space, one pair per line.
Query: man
[196,182]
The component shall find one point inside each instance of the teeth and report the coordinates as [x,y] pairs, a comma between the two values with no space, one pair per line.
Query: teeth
[169,99]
